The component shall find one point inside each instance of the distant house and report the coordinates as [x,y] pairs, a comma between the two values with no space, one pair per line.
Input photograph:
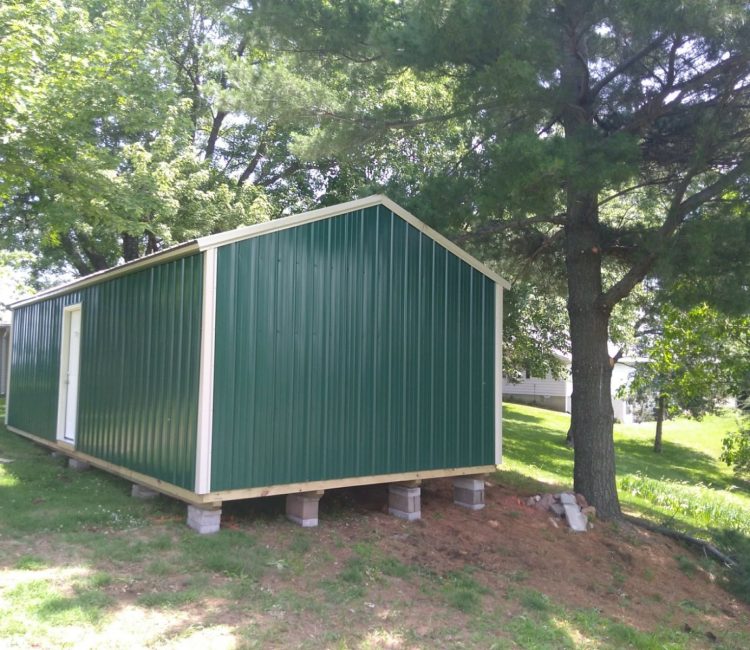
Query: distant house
[554,394]
[4,357]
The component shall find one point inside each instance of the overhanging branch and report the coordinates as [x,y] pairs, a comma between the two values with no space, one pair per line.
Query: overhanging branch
[678,212]
[627,63]
[495,227]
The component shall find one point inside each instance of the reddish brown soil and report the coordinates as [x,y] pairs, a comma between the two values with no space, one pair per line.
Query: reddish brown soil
[625,573]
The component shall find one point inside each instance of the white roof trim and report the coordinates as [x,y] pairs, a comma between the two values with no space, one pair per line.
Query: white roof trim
[178,250]
[247,232]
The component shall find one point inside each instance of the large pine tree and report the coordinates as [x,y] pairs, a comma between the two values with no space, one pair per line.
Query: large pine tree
[582,135]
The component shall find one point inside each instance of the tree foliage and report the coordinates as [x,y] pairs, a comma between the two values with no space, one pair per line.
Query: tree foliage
[736,448]
[697,359]
[119,133]
[587,137]
[580,146]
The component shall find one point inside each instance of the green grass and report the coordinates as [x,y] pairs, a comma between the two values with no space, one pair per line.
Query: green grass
[685,484]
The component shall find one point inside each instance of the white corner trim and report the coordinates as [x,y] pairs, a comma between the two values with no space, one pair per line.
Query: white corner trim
[8,374]
[248,232]
[62,391]
[498,374]
[206,378]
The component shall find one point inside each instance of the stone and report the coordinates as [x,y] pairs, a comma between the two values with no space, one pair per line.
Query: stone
[558,509]
[568,499]
[78,465]
[468,493]
[302,508]
[545,503]
[576,519]
[142,492]
[204,520]
[405,502]
[589,511]
[581,500]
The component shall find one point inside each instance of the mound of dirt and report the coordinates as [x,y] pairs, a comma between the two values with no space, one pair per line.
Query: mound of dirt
[622,571]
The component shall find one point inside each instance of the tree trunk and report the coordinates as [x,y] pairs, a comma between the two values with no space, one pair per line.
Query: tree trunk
[659,421]
[591,417]
[130,247]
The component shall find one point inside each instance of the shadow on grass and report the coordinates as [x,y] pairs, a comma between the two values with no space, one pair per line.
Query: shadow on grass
[540,442]
[676,462]
[737,545]
[524,483]
[513,415]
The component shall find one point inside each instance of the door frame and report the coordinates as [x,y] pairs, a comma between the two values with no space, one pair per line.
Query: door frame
[62,397]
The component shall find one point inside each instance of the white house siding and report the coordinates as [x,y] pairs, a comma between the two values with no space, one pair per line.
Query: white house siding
[547,392]
[621,375]
[555,393]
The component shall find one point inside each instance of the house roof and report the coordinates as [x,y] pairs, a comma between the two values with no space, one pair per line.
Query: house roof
[247,232]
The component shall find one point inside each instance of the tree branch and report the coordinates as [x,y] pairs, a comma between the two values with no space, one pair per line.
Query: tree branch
[546,244]
[221,115]
[627,63]
[637,186]
[706,547]
[678,212]
[214,135]
[500,226]
[253,164]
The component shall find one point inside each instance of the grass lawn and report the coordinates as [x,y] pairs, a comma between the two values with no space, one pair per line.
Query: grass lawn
[686,486]
[83,565]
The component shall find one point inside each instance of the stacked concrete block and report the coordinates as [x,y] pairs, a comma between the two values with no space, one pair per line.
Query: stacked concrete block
[204,520]
[468,492]
[142,492]
[405,501]
[302,508]
[78,465]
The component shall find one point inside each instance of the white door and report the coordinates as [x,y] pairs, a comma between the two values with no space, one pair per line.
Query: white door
[70,374]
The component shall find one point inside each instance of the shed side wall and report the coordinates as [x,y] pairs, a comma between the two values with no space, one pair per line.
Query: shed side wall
[352,346]
[138,391]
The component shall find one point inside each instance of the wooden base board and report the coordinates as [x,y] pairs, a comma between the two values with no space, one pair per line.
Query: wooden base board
[291,488]
[214,499]
[142,479]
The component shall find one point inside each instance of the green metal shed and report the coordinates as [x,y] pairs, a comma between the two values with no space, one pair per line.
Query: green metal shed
[344,346]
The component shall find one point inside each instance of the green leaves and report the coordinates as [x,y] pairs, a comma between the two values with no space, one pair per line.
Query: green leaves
[696,358]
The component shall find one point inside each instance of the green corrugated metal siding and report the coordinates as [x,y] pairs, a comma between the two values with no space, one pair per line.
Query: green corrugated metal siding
[140,351]
[35,365]
[350,346]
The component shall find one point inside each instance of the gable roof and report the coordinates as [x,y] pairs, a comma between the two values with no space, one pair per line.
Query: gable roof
[247,232]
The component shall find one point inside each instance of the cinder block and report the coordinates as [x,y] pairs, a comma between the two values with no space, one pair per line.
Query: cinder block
[405,502]
[468,492]
[142,492]
[204,520]
[78,465]
[302,508]
[576,519]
